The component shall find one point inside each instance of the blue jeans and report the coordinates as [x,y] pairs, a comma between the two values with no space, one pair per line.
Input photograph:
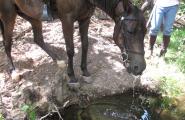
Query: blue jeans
[165,15]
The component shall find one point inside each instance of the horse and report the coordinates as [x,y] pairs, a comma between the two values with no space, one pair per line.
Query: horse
[129,29]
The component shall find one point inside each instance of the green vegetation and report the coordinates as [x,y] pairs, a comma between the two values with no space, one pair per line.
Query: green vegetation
[181,8]
[176,50]
[172,88]
[172,100]
[1,117]
[138,3]
[30,111]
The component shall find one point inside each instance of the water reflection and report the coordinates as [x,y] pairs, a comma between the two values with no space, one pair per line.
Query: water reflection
[140,106]
[117,107]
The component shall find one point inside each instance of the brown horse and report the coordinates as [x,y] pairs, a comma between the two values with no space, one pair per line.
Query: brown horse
[128,34]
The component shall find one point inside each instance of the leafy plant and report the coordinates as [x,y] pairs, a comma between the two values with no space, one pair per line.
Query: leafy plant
[1,117]
[30,111]
[170,87]
[181,8]
[138,2]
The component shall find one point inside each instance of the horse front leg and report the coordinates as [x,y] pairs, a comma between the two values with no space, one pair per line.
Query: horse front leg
[83,27]
[68,29]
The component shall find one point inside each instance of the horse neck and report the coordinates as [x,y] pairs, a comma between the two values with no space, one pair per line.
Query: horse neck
[108,6]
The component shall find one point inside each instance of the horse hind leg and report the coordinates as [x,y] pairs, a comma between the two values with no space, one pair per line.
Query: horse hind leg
[38,37]
[83,27]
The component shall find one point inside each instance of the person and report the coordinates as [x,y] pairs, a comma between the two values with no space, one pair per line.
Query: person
[164,12]
[47,11]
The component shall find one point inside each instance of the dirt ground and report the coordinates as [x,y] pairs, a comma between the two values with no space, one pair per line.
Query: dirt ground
[108,76]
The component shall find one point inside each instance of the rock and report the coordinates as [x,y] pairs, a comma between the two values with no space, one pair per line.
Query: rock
[61,64]
[16,76]
[88,80]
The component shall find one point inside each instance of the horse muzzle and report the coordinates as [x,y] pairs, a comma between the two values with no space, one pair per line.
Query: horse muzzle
[136,66]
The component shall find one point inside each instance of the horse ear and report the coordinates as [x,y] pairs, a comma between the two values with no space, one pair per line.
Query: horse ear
[126,5]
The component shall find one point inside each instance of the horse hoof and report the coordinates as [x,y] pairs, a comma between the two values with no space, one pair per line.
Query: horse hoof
[86,74]
[61,64]
[16,77]
[74,86]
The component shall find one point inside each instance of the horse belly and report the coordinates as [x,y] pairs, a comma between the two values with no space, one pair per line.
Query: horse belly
[74,8]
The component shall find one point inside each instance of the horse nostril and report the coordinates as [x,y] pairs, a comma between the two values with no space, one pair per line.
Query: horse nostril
[136,68]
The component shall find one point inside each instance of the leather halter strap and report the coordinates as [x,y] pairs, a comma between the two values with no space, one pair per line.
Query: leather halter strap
[126,49]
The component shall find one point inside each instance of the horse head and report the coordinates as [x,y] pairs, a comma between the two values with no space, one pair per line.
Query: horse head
[129,35]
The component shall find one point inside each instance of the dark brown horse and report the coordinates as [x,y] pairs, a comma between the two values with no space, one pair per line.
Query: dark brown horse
[128,35]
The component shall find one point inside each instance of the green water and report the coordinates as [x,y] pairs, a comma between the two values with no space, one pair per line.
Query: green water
[140,106]
[117,107]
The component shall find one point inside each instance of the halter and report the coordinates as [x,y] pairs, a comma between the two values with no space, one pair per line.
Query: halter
[126,49]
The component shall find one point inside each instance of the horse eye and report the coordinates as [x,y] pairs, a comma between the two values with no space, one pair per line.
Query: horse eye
[130,32]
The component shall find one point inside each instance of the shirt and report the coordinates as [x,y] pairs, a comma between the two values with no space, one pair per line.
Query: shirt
[167,3]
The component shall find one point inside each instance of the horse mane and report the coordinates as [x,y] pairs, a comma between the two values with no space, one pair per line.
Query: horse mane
[141,19]
[109,6]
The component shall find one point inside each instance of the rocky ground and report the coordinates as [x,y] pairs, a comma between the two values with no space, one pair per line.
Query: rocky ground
[43,83]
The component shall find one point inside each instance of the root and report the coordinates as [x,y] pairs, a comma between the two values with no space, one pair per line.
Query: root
[55,110]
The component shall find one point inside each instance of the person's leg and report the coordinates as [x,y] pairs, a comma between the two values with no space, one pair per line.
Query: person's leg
[165,43]
[156,21]
[169,19]
[46,12]
[151,43]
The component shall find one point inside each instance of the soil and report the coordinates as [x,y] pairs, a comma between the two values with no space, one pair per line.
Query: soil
[41,76]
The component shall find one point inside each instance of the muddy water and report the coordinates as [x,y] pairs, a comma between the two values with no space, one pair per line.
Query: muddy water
[140,106]
[117,107]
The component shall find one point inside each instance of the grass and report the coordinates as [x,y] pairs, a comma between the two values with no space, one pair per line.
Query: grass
[1,117]
[171,90]
[176,50]
[30,111]
[171,85]
[175,56]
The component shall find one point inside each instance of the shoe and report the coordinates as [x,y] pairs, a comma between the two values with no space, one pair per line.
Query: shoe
[151,43]
[165,44]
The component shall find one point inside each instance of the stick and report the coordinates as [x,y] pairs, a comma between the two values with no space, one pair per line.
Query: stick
[58,112]
[151,15]
[45,116]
